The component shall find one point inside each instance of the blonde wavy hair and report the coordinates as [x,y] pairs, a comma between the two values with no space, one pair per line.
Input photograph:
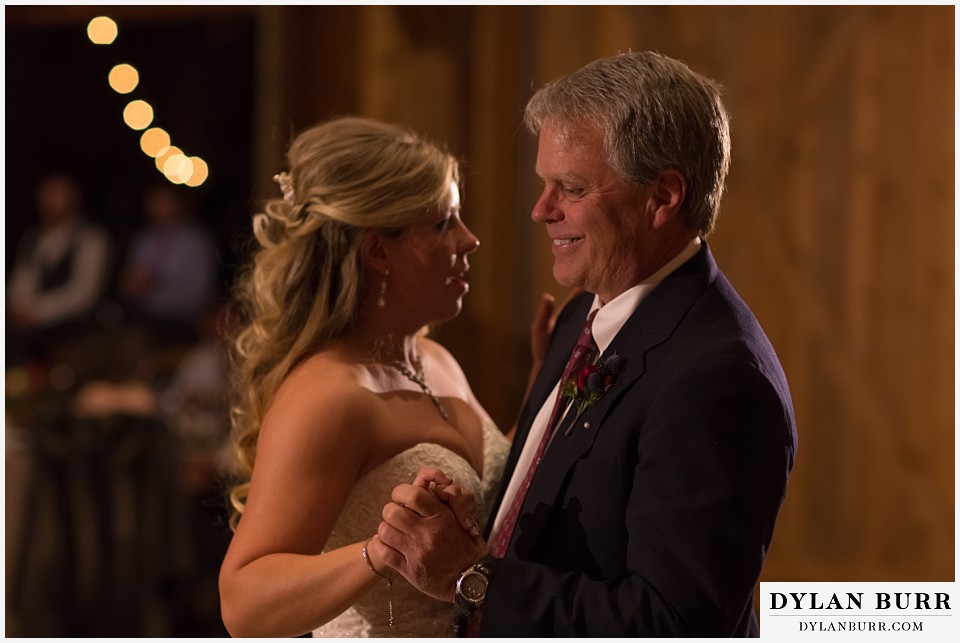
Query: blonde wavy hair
[304,283]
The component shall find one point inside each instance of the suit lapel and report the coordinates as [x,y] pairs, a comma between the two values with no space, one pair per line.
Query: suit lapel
[651,324]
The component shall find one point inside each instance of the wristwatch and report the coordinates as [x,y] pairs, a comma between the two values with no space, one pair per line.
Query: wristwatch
[472,588]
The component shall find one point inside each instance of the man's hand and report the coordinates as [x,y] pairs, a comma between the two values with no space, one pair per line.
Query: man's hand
[420,537]
[544,319]
[541,328]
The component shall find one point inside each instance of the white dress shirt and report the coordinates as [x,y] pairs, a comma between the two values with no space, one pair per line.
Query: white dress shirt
[609,320]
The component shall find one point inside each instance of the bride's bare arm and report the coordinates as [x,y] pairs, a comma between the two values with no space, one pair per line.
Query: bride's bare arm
[274,581]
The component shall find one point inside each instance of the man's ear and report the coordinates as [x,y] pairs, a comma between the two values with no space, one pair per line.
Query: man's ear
[373,252]
[669,191]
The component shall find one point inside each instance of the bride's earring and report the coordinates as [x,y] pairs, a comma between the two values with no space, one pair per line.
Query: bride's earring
[382,299]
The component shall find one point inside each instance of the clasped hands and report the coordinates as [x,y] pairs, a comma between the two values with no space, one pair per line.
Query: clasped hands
[429,533]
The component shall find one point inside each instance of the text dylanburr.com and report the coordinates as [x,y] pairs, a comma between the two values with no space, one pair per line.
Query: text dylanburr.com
[803,611]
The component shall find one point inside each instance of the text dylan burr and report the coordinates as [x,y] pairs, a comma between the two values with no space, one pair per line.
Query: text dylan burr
[855,601]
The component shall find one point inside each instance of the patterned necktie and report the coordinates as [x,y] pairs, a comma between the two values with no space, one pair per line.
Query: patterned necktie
[584,353]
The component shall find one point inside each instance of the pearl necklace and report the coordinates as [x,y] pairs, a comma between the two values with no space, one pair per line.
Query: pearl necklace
[418,378]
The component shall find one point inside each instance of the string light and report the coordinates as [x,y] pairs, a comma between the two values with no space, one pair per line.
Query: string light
[165,154]
[102,31]
[124,78]
[138,114]
[153,141]
[177,168]
[200,172]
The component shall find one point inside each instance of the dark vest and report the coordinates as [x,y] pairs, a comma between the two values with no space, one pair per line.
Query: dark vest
[56,275]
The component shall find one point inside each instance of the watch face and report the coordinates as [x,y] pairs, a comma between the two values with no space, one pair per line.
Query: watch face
[474,587]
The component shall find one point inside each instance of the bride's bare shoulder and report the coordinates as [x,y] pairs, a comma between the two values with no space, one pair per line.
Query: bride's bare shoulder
[324,384]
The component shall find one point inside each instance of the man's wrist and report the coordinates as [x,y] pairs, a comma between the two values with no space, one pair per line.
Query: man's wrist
[471,587]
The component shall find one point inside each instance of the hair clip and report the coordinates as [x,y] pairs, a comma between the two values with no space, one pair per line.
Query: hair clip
[286,186]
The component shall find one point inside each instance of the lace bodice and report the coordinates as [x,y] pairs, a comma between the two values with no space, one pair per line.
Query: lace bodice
[415,615]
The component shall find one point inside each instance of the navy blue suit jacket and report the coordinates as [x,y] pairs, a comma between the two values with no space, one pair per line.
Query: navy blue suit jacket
[655,520]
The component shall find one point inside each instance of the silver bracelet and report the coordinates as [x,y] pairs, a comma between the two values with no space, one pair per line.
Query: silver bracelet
[389,579]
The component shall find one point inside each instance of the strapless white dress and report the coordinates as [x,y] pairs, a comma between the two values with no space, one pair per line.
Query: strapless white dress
[415,614]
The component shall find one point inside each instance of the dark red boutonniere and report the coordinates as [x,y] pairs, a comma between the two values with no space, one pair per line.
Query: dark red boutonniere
[587,387]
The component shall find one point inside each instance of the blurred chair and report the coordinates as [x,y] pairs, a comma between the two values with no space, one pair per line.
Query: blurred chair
[100,534]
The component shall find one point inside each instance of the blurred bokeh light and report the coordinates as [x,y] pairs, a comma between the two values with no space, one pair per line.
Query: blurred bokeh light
[200,172]
[124,78]
[102,30]
[177,168]
[153,141]
[138,114]
[165,154]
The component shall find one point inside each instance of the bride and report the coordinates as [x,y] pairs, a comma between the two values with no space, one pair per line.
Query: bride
[342,395]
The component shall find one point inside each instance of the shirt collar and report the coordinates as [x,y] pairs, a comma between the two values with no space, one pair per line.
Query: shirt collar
[611,317]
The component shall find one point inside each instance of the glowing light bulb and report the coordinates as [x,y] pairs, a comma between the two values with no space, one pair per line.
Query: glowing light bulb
[185,170]
[138,114]
[200,172]
[176,166]
[164,154]
[154,141]
[124,78]
[102,30]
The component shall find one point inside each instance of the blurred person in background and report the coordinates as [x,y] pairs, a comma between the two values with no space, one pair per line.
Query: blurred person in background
[59,274]
[169,280]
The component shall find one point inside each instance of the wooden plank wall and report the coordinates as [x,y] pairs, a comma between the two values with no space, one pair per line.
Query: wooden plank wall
[837,228]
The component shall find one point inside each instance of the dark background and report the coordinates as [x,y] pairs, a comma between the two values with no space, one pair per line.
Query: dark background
[72,572]
[61,115]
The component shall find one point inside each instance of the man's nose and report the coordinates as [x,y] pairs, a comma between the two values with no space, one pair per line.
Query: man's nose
[545,210]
